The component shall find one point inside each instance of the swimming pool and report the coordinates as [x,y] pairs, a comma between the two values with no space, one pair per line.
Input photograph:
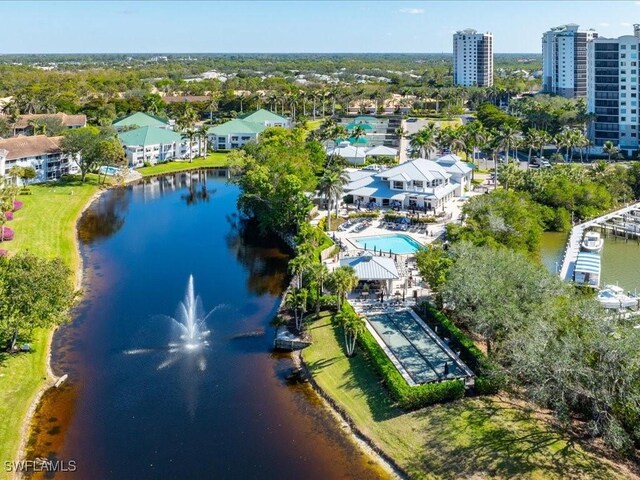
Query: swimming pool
[107,170]
[397,243]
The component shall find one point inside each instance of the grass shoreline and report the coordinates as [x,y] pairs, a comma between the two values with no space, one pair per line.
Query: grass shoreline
[213,160]
[47,226]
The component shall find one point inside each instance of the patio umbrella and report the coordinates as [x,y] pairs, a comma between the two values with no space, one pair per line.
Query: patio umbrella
[403,220]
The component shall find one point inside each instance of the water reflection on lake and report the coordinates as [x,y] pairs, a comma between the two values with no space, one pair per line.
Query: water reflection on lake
[121,417]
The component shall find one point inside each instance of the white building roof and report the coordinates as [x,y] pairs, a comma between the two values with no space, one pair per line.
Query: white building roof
[372,267]
[382,151]
[346,151]
[419,169]
[453,164]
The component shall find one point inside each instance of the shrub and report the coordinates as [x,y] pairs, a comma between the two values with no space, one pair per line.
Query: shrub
[373,214]
[327,302]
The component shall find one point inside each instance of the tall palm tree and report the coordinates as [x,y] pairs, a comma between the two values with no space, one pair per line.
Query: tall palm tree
[203,138]
[508,136]
[352,325]
[425,140]
[331,186]
[610,149]
[297,301]
[212,104]
[341,281]
[190,134]
[319,273]
[357,133]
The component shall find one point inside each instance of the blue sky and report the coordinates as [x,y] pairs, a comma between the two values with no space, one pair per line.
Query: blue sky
[294,26]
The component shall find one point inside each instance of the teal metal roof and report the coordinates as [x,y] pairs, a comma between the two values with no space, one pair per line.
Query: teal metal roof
[262,115]
[141,120]
[361,141]
[149,136]
[237,126]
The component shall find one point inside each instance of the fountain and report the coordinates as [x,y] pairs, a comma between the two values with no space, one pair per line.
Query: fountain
[190,321]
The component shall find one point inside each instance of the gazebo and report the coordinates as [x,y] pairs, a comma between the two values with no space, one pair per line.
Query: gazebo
[370,268]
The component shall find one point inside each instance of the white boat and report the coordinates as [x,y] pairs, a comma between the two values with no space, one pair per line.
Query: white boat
[612,296]
[592,242]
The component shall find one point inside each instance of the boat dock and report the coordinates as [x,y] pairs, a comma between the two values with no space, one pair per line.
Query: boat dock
[623,222]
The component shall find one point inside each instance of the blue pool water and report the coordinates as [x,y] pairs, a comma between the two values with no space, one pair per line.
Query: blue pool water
[397,243]
[105,170]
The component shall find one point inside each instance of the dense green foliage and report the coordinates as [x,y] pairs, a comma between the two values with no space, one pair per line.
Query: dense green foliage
[91,147]
[566,190]
[548,341]
[34,292]
[273,177]
[502,218]
[493,118]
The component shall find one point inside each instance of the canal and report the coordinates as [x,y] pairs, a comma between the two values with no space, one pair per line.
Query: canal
[139,405]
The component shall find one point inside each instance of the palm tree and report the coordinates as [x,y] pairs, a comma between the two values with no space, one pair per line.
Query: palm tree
[508,136]
[357,133]
[341,281]
[475,136]
[424,140]
[190,134]
[203,138]
[331,186]
[352,325]
[212,104]
[297,301]
[319,273]
[610,149]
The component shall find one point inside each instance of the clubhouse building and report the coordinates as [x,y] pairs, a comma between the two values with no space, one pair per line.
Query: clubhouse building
[418,184]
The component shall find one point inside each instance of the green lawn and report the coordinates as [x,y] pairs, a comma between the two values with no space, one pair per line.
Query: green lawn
[472,438]
[314,124]
[44,226]
[215,159]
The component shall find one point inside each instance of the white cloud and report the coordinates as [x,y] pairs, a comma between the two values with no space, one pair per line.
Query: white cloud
[603,24]
[412,11]
[625,24]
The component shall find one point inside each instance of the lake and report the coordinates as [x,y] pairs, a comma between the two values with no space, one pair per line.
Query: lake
[136,407]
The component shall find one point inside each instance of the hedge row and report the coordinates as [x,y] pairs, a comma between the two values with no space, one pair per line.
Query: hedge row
[392,217]
[487,381]
[405,395]
[372,214]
